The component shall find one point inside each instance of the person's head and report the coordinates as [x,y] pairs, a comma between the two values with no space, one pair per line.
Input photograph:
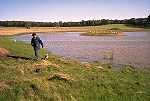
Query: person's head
[34,35]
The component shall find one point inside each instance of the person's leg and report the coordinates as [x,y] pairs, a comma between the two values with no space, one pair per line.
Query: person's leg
[36,50]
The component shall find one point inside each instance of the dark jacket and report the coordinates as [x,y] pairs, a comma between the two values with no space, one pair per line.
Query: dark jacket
[36,42]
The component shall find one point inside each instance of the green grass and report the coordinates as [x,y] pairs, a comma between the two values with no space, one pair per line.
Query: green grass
[20,82]
[119,26]
[17,48]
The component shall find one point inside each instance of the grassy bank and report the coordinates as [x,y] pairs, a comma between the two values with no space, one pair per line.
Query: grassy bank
[112,29]
[59,79]
[89,30]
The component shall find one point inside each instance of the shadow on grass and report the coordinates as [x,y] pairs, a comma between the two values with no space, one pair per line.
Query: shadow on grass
[23,58]
[19,57]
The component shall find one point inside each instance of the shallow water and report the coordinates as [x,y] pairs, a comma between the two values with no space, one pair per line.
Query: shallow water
[133,48]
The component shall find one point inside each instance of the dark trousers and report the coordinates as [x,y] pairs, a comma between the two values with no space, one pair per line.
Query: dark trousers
[36,52]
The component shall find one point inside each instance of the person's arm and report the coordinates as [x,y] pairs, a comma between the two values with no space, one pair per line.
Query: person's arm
[32,43]
[40,41]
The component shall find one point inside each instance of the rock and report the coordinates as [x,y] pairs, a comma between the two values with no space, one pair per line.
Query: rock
[60,76]
[86,65]
[99,67]
[3,52]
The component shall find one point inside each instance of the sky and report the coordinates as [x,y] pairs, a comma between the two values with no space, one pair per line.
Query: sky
[72,10]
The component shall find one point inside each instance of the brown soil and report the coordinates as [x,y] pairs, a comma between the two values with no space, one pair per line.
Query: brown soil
[3,52]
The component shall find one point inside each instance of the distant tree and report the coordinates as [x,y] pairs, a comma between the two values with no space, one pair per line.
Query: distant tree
[104,22]
[148,22]
[148,19]
[131,21]
[142,22]
[60,23]
[28,25]
[83,23]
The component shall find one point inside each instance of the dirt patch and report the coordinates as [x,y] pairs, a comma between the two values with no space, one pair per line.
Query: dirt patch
[3,52]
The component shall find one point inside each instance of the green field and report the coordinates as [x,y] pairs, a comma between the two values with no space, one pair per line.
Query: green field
[29,80]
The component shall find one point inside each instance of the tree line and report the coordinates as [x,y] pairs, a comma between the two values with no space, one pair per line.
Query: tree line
[140,22]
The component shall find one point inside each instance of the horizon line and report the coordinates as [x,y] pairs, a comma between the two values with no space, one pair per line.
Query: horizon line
[74,20]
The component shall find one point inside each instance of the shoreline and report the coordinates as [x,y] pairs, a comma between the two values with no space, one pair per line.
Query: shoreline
[11,31]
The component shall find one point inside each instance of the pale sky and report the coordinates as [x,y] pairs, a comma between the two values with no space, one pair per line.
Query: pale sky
[72,10]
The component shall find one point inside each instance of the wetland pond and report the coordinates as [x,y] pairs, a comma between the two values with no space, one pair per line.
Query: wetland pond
[131,48]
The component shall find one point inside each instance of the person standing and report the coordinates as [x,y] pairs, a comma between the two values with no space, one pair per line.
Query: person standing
[36,43]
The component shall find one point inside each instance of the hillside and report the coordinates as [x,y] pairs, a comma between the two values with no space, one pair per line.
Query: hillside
[59,79]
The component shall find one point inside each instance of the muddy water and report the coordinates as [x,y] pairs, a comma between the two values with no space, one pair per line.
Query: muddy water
[132,48]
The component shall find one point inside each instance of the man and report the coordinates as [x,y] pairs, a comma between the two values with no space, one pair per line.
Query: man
[36,42]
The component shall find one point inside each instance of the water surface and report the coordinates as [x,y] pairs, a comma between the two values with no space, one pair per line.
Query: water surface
[133,48]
